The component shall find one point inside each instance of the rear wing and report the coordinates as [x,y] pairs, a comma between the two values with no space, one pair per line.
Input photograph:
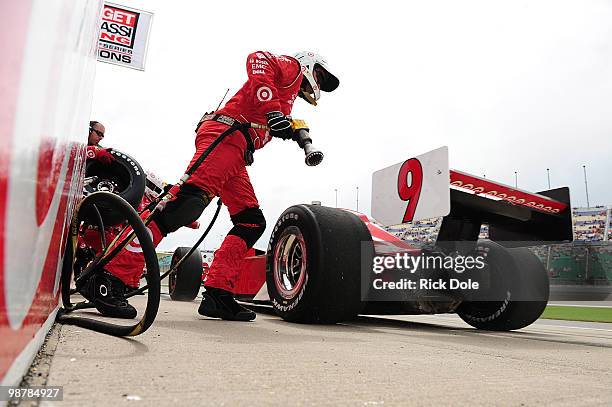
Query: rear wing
[424,187]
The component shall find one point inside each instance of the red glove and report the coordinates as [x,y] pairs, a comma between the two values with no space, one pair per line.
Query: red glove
[104,156]
[101,154]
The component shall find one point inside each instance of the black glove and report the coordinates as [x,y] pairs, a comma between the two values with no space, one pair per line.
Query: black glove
[279,125]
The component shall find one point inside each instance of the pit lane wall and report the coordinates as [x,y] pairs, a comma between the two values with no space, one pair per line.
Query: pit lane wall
[47,70]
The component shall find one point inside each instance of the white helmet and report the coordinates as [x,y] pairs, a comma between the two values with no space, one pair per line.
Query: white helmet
[316,72]
[154,185]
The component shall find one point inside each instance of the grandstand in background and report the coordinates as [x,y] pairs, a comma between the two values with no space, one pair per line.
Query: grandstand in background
[592,224]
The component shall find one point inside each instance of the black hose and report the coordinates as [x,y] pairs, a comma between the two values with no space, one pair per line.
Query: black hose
[118,247]
[193,248]
[201,239]
[152,276]
[199,161]
[101,226]
[202,157]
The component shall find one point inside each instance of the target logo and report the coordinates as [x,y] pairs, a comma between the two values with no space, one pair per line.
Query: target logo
[134,245]
[264,94]
[91,153]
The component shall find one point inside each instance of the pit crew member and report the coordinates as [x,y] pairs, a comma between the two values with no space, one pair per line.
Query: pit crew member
[267,97]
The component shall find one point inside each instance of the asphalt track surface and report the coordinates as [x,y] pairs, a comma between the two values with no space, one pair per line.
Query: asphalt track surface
[185,359]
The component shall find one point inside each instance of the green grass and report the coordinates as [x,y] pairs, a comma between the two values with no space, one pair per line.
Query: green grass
[590,314]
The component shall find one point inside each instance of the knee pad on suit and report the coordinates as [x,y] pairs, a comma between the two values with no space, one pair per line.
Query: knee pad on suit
[189,204]
[249,225]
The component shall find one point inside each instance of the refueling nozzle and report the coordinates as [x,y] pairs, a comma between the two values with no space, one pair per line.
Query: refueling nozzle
[302,137]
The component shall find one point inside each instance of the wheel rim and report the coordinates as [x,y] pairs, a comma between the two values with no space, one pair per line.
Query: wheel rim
[113,178]
[107,186]
[290,259]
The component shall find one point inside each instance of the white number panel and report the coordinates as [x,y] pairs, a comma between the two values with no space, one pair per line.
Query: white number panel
[415,189]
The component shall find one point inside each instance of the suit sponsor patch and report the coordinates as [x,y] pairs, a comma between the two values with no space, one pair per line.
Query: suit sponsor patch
[264,94]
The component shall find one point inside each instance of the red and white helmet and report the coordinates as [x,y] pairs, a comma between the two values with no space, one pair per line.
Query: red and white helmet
[316,72]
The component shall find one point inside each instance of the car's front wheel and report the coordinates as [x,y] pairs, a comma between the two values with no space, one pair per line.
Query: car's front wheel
[184,282]
[313,264]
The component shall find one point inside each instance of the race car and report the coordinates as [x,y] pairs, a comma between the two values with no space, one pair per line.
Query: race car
[320,264]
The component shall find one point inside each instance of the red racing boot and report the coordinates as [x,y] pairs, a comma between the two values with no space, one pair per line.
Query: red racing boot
[218,303]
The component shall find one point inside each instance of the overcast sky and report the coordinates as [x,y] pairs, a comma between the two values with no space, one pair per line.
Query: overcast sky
[507,85]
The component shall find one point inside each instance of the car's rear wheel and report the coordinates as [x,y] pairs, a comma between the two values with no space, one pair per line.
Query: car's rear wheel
[520,284]
[313,264]
[184,283]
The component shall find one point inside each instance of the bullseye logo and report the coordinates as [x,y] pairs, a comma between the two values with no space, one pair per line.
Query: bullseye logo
[264,94]
[134,245]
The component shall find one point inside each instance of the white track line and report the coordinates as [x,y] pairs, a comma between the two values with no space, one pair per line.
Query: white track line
[577,327]
[579,305]
[541,323]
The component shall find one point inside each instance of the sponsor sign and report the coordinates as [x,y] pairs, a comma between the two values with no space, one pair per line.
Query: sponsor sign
[124,35]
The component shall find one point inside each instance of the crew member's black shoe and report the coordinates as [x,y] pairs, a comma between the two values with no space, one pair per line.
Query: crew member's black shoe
[107,293]
[218,303]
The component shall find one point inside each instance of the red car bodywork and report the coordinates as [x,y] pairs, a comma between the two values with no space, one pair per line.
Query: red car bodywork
[253,278]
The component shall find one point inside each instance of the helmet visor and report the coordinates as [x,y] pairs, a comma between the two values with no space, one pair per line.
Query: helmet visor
[326,81]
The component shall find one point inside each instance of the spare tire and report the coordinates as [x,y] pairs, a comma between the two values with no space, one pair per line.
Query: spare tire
[313,261]
[123,177]
[184,283]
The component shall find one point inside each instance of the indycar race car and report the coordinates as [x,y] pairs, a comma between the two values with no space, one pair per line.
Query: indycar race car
[318,265]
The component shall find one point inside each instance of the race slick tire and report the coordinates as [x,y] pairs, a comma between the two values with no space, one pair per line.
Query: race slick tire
[523,277]
[184,283]
[313,264]
[123,177]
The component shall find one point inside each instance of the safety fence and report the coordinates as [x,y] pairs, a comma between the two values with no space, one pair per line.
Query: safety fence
[588,263]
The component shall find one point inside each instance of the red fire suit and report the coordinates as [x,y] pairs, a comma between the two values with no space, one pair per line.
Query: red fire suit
[273,84]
